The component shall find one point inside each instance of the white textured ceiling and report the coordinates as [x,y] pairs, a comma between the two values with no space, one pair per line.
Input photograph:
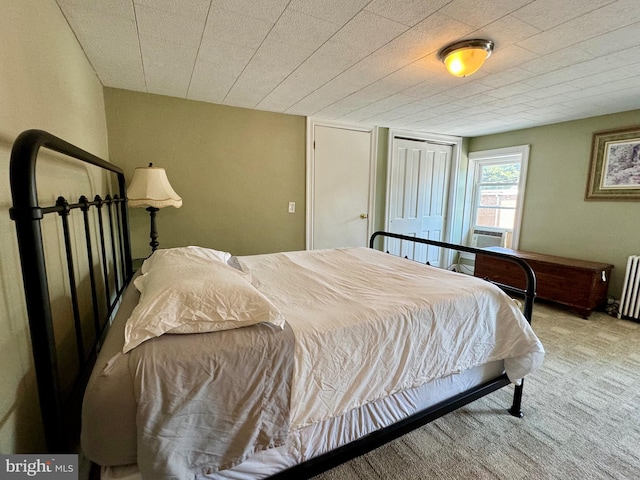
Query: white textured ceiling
[373,62]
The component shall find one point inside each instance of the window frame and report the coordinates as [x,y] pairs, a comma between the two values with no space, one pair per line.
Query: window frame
[496,157]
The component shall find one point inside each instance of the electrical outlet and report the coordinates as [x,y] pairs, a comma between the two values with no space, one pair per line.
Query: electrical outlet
[292,207]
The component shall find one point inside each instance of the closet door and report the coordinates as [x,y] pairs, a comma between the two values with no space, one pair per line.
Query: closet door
[418,196]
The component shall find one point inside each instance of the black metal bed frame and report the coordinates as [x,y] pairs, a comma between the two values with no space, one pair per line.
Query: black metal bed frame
[60,411]
[56,409]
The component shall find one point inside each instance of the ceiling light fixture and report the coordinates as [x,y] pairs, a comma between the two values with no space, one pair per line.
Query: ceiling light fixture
[465,57]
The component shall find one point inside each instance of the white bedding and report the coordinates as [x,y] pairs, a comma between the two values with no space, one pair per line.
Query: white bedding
[368,325]
[309,442]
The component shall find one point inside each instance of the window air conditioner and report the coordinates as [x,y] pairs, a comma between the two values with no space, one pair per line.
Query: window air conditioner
[482,237]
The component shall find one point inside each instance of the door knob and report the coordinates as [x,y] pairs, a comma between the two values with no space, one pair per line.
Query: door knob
[364,215]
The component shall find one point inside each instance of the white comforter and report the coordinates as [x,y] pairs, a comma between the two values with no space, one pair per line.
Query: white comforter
[364,324]
[368,324]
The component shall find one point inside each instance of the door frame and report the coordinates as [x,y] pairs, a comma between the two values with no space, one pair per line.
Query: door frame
[310,175]
[454,174]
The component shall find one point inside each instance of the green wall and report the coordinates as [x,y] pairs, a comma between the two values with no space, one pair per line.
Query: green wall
[46,82]
[235,169]
[381,179]
[557,220]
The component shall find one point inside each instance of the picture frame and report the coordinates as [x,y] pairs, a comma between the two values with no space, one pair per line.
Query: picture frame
[614,172]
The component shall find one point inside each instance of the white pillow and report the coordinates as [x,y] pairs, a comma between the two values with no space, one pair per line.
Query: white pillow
[196,299]
[184,256]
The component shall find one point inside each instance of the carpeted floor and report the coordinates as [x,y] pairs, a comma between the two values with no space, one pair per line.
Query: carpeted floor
[582,416]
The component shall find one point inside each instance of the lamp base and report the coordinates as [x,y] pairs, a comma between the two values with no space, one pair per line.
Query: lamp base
[154,231]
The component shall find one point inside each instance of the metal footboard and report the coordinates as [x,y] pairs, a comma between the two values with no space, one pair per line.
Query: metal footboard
[528,293]
[375,439]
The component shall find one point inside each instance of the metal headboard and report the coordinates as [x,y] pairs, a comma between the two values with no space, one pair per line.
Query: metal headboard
[106,228]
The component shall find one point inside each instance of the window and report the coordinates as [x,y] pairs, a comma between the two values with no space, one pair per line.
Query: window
[496,194]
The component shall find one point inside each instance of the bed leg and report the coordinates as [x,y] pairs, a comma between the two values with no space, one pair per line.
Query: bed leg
[516,409]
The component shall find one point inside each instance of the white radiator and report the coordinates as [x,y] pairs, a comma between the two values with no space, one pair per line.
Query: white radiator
[630,301]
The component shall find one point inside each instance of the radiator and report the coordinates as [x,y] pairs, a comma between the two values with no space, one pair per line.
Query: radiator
[630,301]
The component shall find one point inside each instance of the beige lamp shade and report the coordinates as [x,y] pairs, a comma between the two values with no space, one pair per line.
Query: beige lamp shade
[150,187]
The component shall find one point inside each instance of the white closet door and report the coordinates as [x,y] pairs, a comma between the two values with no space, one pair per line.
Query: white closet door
[419,189]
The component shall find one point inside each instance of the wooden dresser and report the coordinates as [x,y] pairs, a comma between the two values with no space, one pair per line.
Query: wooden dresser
[579,284]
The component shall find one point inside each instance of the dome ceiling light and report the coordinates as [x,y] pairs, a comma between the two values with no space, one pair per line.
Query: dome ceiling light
[465,57]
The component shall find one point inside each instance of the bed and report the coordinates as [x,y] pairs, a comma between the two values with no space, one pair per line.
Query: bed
[237,395]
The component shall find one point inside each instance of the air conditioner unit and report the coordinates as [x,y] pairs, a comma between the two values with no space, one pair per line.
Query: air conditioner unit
[484,237]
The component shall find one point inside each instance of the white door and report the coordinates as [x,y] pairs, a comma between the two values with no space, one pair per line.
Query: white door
[418,193]
[341,194]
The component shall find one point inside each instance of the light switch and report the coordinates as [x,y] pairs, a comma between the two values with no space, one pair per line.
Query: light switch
[292,207]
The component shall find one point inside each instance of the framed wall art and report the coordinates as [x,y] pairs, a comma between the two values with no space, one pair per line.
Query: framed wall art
[615,165]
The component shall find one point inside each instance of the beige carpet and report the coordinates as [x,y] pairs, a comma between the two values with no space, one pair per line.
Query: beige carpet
[582,416]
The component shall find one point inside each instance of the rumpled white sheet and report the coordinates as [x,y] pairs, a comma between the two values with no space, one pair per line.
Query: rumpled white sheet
[207,401]
[368,324]
[365,324]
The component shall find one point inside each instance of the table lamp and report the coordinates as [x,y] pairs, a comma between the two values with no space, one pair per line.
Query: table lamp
[150,188]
